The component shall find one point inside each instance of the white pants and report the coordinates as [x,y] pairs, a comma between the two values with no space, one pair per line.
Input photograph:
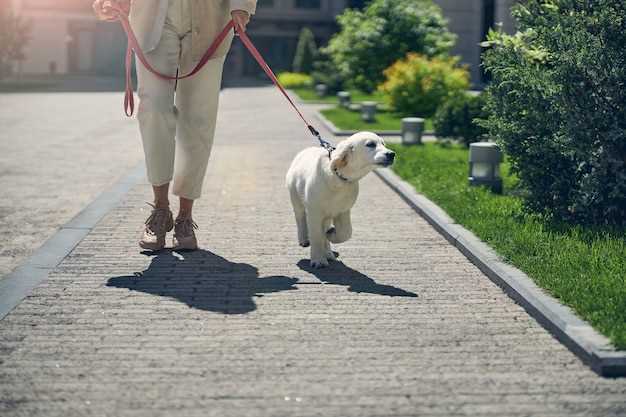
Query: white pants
[181,123]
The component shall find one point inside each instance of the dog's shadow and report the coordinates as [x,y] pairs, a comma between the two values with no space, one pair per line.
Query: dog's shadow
[338,273]
[204,280]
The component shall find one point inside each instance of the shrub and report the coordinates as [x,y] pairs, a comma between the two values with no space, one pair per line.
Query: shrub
[325,72]
[417,85]
[15,34]
[306,52]
[371,40]
[294,80]
[456,118]
[557,105]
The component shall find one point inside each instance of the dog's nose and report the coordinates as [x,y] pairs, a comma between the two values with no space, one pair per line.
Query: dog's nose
[390,155]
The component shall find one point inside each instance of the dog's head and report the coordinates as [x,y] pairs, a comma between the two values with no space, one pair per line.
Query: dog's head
[360,154]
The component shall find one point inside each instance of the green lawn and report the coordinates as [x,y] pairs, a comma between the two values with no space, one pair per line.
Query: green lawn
[351,120]
[308,94]
[584,268]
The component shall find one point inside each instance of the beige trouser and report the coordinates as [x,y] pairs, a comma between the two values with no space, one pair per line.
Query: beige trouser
[189,115]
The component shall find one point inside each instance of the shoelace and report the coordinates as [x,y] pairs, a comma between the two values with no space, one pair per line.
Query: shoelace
[156,220]
[186,225]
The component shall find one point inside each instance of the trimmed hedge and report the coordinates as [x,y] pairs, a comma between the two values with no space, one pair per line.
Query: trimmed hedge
[294,80]
[558,106]
[457,118]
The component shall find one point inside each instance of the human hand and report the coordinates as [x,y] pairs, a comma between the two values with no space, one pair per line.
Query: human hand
[104,8]
[241,18]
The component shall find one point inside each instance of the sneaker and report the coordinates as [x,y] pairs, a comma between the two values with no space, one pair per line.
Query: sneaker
[158,224]
[184,235]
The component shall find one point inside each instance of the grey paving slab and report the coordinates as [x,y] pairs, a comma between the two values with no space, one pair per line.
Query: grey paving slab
[405,325]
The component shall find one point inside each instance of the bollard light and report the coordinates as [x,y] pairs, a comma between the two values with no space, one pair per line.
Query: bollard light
[484,165]
[344,99]
[412,129]
[368,111]
[321,90]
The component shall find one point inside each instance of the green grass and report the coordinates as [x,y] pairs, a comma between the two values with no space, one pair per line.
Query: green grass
[308,94]
[351,120]
[584,268]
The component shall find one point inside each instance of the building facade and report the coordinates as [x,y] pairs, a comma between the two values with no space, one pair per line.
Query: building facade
[470,20]
[67,39]
[275,29]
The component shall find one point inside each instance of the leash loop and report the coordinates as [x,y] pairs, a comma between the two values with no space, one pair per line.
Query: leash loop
[133,46]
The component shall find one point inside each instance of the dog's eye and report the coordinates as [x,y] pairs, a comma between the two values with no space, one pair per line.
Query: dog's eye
[371,144]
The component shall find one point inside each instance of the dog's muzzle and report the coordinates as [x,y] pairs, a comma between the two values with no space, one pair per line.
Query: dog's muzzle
[389,158]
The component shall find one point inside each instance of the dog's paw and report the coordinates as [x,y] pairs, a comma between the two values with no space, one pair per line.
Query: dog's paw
[332,256]
[331,232]
[319,263]
[305,244]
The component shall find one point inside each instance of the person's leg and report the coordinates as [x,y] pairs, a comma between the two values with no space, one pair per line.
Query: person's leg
[156,114]
[157,123]
[197,100]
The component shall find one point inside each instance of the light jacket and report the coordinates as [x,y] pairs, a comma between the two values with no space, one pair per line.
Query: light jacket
[147,18]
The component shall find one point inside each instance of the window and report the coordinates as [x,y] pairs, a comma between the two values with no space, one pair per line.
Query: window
[266,3]
[308,4]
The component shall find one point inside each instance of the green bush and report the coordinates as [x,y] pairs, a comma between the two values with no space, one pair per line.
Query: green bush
[417,85]
[15,34]
[306,52]
[456,118]
[371,40]
[557,105]
[294,80]
[325,72]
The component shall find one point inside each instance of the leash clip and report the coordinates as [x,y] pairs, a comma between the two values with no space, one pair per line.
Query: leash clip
[324,144]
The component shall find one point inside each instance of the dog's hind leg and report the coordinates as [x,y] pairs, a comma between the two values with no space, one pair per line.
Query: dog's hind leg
[300,214]
[342,231]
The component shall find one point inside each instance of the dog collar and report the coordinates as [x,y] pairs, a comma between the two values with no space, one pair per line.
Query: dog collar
[341,177]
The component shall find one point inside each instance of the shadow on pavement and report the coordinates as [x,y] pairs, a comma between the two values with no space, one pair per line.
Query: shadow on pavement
[204,280]
[340,274]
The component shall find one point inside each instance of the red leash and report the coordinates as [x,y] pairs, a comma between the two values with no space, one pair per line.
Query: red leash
[133,46]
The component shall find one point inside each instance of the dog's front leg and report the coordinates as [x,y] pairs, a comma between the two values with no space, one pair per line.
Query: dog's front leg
[300,214]
[342,231]
[318,240]
[330,255]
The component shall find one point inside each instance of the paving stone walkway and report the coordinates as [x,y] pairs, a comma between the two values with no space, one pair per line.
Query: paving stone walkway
[405,326]
[58,151]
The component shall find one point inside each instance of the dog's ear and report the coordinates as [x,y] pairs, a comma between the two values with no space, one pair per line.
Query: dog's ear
[340,156]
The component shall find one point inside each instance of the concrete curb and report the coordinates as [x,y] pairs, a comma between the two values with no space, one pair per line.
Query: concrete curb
[18,284]
[577,335]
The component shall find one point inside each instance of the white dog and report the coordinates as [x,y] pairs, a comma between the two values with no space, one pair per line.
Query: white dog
[324,188]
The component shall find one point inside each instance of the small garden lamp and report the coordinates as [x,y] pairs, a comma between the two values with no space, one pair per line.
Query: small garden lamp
[321,89]
[484,165]
[412,129]
[344,98]
[368,111]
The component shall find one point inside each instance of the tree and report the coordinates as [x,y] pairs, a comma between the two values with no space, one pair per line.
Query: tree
[15,33]
[557,105]
[306,52]
[371,40]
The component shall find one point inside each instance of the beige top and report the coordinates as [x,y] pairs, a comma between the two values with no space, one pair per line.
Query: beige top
[209,17]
